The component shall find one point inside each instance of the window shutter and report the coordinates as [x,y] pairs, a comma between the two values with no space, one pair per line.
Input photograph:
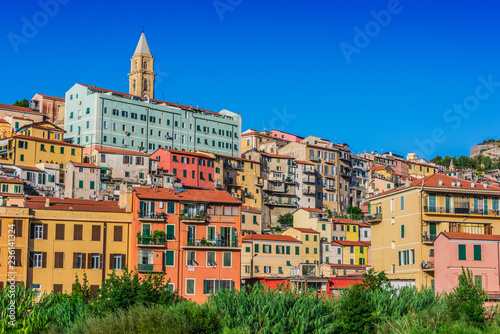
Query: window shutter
[96,233]
[124,260]
[169,258]
[32,231]
[287,250]
[44,260]
[57,288]
[111,257]
[256,246]
[101,261]
[413,253]
[118,233]
[89,262]
[399,257]
[204,287]
[60,231]
[461,252]
[45,231]
[75,259]
[78,232]
[30,259]
[231,284]
[84,261]
[58,259]
[19,228]
[216,285]
[477,252]
[277,249]
[402,231]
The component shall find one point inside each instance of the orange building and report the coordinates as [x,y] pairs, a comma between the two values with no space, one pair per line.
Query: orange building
[194,236]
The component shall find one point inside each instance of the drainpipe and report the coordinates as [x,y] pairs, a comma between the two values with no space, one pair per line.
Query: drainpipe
[104,244]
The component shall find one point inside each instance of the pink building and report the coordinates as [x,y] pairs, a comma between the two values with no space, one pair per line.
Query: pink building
[47,105]
[401,165]
[286,136]
[478,252]
[195,169]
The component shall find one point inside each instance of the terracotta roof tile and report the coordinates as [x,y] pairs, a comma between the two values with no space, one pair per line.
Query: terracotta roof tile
[6,180]
[38,202]
[17,108]
[195,195]
[468,236]
[274,237]
[351,243]
[110,150]
[310,210]
[45,140]
[305,230]
[250,208]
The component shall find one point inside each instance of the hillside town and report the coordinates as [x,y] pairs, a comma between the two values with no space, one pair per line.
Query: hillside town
[95,181]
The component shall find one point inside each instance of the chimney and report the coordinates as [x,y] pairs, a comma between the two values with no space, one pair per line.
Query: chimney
[47,202]
[440,181]
[472,184]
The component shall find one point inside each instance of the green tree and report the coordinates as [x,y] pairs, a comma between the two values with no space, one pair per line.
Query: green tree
[286,219]
[354,212]
[466,301]
[486,161]
[23,103]
[374,281]
[81,290]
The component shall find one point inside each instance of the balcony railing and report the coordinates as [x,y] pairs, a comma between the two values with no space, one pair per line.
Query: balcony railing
[329,187]
[144,267]
[247,194]
[258,183]
[376,216]
[218,186]
[308,191]
[460,210]
[232,166]
[308,170]
[193,218]
[329,175]
[150,241]
[309,180]
[328,161]
[212,243]
[151,215]
[429,238]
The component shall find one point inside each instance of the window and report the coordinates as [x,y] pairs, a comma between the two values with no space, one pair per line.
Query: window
[38,231]
[78,261]
[297,250]
[210,286]
[78,232]
[267,269]
[402,231]
[37,288]
[170,232]
[191,258]
[351,249]
[117,261]
[92,185]
[477,252]
[392,204]
[169,258]
[307,237]
[402,202]
[211,259]
[190,286]
[95,261]
[461,253]
[37,259]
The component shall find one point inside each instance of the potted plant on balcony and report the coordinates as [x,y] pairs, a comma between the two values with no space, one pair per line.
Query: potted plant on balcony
[203,241]
[159,235]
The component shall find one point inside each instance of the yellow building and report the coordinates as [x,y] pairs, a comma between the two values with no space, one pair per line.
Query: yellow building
[251,220]
[353,252]
[419,170]
[14,221]
[240,177]
[40,142]
[310,248]
[265,255]
[5,129]
[314,219]
[406,221]
[71,237]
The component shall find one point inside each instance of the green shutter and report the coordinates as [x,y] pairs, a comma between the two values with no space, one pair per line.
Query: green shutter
[256,246]
[216,285]
[169,258]
[477,252]
[170,232]
[287,250]
[243,219]
[402,231]
[399,257]
[297,250]
[277,249]
[461,252]
[204,287]
[247,249]
[327,259]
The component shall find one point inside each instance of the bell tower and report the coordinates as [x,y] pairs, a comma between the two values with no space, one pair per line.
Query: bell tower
[141,76]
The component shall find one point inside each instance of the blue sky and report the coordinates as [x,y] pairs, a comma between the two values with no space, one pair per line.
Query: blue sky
[327,68]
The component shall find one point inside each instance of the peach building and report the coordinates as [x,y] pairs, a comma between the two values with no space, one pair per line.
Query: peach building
[194,236]
[477,252]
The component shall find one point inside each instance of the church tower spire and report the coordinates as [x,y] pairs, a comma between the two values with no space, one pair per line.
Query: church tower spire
[141,76]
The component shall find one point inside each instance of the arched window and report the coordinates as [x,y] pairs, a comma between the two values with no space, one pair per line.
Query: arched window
[145,65]
[133,86]
[145,84]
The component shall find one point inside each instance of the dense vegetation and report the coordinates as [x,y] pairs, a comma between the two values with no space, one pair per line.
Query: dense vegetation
[23,103]
[479,163]
[130,304]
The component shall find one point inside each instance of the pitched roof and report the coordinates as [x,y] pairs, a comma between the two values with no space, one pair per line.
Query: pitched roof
[351,243]
[18,108]
[34,169]
[6,180]
[194,195]
[110,150]
[3,121]
[305,230]
[45,140]
[344,221]
[52,97]
[274,237]
[196,154]
[237,158]
[55,203]
[83,164]
[310,210]
[142,46]
[304,162]
[250,208]
[468,236]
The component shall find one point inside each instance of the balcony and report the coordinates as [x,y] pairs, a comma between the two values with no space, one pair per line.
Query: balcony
[280,202]
[247,194]
[311,180]
[145,267]
[186,218]
[329,175]
[429,266]
[236,166]
[375,218]
[465,210]
[275,188]
[345,172]
[229,180]
[329,187]
[330,162]
[317,159]
[308,170]
[259,183]
[428,239]
[150,242]
[308,192]
[151,215]
[219,186]
[203,243]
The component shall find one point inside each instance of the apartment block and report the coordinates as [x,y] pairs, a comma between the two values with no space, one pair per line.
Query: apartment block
[82,180]
[310,248]
[251,220]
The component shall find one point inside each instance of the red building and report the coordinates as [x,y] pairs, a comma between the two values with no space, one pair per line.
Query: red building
[47,105]
[195,169]
[194,236]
